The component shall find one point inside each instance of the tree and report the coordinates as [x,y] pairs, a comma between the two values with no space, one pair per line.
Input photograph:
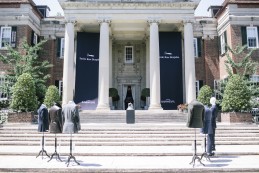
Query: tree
[205,95]
[236,96]
[24,94]
[241,63]
[51,96]
[27,61]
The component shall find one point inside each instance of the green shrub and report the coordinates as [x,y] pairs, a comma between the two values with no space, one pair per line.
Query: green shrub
[51,96]
[113,92]
[236,96]
[145,93]
[24,94]
[205,95]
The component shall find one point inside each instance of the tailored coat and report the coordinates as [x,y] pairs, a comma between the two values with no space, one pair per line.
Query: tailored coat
[214,111]
[195,114]
[43,122]
[55,120]
[208,128]
[70,118]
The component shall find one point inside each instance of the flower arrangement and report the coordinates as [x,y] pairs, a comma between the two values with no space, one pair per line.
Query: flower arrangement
[182,107]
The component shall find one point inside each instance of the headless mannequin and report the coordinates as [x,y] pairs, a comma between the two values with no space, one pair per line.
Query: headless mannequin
[55,125]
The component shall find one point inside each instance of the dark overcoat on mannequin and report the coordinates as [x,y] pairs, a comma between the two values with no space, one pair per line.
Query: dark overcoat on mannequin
[43,122]
[207,128]
[70,118]
[55,119]
[195,114]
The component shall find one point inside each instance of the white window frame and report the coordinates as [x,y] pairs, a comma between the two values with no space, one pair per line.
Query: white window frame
[5,36]
[195,44]
[252,34]
[3,96]
[197,87]
[60,87]
[62,47]
[222,43]
[131,60]
[35,38]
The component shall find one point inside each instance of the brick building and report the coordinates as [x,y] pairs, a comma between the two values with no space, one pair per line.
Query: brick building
[131,42]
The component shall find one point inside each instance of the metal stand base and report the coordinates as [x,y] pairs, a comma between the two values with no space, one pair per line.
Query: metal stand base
[195,157]
[42,151]
[205,154]
[55,153]
[71,155]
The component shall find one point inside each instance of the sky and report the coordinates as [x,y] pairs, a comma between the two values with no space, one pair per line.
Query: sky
[200,11]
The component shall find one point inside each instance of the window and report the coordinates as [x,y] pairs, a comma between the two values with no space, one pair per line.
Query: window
[35,39]
[128,54]
[223,43]
[59,85]
[195,43]
[5,37]
[254,78]
[252,37]
[62,47]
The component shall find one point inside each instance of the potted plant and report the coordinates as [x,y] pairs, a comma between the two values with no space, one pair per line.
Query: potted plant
[145,94]
[113,94]
[205,95]
[236,101]
[51,96]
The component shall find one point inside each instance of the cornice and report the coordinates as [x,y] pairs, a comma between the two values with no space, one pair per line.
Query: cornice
[112,5]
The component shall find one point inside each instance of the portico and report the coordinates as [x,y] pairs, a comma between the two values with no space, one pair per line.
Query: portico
[129,51]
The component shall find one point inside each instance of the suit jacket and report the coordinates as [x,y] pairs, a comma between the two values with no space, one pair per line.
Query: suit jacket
[43,122]
[55,120]
[195,115]
[71,119]
[207,129]
[214,110]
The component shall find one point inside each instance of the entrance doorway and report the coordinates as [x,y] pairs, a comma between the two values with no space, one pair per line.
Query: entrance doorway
[128,95]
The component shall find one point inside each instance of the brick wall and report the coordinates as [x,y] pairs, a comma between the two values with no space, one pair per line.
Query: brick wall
[211,58]
[56,72]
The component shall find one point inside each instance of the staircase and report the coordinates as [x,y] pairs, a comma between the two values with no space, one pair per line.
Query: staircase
[155,137]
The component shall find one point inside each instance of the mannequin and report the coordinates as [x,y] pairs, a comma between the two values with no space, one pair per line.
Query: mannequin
[195,120]
[55,125]
[129,98]
[43,126]
[70,117]
[214,111]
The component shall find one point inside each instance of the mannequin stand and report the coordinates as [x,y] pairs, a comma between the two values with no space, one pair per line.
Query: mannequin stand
[71,155]
[42,150]
[205,154]
[195,157]
[55,153]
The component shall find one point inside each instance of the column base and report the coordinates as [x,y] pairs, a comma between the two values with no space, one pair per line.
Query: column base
[155,107]
[103,107]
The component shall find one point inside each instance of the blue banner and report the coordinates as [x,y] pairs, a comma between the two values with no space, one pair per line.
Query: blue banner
[87,70]
[171,79]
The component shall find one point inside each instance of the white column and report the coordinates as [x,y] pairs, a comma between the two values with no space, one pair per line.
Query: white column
[110,64]
[147,64]
[189,62]
[68,66]
[155,94]
[103,90]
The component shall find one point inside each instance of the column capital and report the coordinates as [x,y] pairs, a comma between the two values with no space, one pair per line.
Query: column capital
[104,20]
[154,20]
[70,20]
[185,21]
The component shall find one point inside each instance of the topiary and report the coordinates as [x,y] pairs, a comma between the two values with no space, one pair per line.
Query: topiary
[51,96]
[145,93]
[236,95]
[205,95]
[24,94]
[113,92]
